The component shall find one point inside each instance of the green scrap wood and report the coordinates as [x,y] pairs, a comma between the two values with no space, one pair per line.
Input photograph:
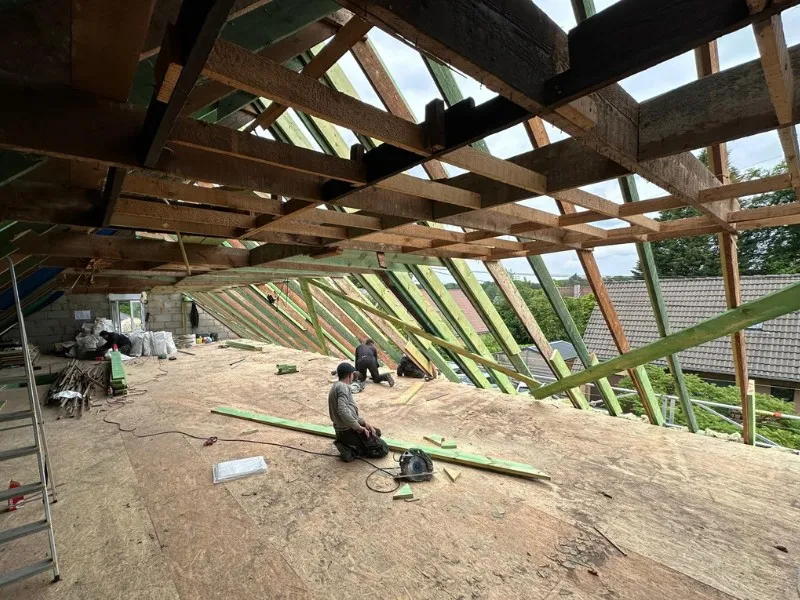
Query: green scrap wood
[432,437]
[286,369]
[245,345]
[766,308]
[477,461]
[530,381]
[403,493]
[410,393]
[448,444]
[458,321]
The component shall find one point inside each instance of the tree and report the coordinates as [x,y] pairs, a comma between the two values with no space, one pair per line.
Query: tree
[579,308]
[769,251]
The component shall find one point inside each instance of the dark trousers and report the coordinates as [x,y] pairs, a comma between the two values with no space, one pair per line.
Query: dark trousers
[373,447]
[369,364]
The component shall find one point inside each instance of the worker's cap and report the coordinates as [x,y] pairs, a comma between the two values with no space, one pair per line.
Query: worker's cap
[344,369]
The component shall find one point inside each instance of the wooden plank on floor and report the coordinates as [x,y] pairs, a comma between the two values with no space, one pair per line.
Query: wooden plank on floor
[456,456]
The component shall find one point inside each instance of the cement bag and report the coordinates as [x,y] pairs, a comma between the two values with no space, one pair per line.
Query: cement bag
[147,343]
[159,343]
[171,347]
[137,343]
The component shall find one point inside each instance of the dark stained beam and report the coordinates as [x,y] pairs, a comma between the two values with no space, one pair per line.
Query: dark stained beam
[183,54]
[728,105]
[633,35]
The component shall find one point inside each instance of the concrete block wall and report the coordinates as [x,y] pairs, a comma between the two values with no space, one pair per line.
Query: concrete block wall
[168,312]
[57,323]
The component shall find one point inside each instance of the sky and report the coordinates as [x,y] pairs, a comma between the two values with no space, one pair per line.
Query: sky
[417,86]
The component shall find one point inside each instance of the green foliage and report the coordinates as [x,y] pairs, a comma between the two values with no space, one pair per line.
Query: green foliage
[783,432]
[491,344]
[768,251]
[579,308]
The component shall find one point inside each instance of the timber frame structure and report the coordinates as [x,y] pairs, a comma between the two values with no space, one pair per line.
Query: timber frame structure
[134,156]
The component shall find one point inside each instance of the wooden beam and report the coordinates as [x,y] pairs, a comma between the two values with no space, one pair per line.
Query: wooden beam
[728,105]
[532,383]
[455,456]
[607,122]
[352,32]
[644,34]
[780,81]
[127,249]
[183,53]
[764,309]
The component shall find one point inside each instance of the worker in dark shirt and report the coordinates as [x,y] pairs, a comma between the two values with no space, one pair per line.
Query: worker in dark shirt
[122,342]
[367,360]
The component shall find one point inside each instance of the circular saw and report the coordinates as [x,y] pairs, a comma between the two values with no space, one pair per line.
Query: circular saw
[415,465]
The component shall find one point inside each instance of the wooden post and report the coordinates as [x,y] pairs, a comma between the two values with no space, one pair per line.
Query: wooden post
[769,307]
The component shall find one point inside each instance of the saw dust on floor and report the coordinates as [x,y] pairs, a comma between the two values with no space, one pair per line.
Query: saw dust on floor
[632,511]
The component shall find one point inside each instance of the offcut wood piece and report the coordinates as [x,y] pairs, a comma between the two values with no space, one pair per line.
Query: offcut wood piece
[403,493]
[452,473]
[246,345]
[286,369]
[455,456]
[436,439]
[410,393]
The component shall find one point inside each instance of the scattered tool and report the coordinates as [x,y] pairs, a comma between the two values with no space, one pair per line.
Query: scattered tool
[286,369]
[186,352]
[236,362]
[415,465]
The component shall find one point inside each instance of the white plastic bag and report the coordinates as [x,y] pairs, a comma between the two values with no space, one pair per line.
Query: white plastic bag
[236,469]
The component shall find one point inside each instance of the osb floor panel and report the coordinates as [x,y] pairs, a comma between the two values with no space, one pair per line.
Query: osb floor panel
[696,517]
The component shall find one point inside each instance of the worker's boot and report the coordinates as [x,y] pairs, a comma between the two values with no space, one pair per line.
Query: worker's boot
[345,452]
[390,379]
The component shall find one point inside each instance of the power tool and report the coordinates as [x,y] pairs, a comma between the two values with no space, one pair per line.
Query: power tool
[415,465]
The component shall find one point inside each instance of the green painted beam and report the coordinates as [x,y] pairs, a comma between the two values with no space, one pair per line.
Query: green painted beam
[472,288]
[281,295]
[456,456]
[458,321]
[557,302]
[561,370]
[748,314]
[209,299]
[281,327]
[234,304]
[395,310]
[409,347]
[434,323]
[325,315]
[312,314]
[368,326]
[627,186]
[403,324]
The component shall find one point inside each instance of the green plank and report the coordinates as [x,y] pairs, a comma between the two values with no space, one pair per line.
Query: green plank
[769,307]
[455,456]
[472,288]
[561,370]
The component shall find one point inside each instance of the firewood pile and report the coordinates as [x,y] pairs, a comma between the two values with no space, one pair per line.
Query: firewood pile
[76,384]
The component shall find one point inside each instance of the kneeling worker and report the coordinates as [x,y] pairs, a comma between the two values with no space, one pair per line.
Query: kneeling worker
[367,360]
[354,436]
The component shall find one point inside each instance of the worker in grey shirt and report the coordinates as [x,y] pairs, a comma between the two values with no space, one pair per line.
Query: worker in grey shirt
[354,436]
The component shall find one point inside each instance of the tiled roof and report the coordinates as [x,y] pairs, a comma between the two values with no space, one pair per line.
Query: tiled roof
[565,349]
[466,307]
[772,352]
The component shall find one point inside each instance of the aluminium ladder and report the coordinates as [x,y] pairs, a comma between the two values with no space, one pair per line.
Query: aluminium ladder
[46,484]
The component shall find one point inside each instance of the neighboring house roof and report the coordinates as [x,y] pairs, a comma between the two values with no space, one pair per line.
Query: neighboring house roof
[565,349]
[466,307]
[773,352]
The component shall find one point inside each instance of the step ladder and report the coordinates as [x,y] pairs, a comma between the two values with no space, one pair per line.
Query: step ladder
[46,484]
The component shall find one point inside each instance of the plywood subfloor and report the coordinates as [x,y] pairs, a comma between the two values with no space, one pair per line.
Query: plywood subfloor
[139,518]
